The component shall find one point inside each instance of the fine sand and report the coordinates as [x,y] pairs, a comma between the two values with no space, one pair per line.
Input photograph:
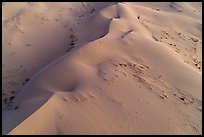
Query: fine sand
[102,68]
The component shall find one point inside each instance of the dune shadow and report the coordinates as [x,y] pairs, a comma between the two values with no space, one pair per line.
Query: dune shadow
[13,118]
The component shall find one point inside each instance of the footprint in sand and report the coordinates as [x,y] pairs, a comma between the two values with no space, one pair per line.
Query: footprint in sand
[76,99]
[155,38]
[164,96]
[65,99]
[91,95]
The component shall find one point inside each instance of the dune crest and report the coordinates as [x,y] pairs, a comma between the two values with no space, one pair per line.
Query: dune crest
[102,68]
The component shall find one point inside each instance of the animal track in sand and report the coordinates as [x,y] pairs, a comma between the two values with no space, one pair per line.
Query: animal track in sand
[152,79]
[157,9]
[83,97]
[152,22]
[76,99]
[162,89]
[66,99]
[92,96]
[179,47]
[132,70]
[164,96]
[194,39]
[197,63]
[174,94]
[155,38]
[185,98]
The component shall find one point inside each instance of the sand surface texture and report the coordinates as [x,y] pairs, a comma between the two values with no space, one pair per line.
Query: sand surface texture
[102,68]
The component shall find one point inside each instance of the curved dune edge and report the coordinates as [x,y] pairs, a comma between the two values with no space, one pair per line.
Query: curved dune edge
[116,82]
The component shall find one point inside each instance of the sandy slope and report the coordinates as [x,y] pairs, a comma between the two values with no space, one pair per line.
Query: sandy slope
[128,68]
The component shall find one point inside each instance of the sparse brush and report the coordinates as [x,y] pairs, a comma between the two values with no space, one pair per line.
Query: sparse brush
[5,100]
[92,10]
[27,79]
[11,98]
[16,107]
[72,43]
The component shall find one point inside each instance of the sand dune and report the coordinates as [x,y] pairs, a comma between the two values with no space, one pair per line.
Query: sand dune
[102,68]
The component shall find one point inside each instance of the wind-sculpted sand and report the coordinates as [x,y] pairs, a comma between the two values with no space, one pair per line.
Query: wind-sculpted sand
[102,68]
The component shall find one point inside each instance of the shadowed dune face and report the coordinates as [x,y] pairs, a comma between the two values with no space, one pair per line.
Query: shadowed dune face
[125,60]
